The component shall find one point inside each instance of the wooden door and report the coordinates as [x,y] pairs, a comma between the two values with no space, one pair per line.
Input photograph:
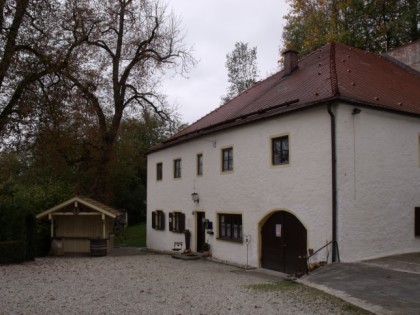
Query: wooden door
[201,232]
[283,243]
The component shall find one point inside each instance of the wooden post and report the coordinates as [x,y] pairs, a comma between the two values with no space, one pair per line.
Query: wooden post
[52,225]
[103,225]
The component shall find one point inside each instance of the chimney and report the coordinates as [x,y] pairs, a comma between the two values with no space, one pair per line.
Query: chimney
[290,61]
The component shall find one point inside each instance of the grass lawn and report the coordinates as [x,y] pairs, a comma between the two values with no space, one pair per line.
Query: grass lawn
[134,235]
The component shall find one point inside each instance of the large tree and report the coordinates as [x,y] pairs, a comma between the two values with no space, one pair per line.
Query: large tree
[129,43]
[35,42]
[241,64]
[374,25]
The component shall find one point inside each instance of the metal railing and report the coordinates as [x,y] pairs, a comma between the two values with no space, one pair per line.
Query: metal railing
[318,250]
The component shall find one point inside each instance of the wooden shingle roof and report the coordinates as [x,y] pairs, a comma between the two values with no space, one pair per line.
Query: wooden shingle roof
[334,72]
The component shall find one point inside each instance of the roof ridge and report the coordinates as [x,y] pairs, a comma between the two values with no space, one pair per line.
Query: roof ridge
[333,71]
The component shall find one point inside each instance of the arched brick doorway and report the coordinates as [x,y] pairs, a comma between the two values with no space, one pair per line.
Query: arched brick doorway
[283,239]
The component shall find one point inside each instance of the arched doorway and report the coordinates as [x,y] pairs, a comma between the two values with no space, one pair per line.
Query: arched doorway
[283,239]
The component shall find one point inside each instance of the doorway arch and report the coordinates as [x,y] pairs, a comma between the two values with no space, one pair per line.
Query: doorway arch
[283,243]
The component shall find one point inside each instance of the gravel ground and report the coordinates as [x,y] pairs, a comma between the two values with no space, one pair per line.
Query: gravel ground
[149,283]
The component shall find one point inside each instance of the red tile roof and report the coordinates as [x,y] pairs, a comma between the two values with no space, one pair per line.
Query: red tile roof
[335,72]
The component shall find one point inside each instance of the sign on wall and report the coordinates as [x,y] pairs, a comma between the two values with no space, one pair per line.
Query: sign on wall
[278,230]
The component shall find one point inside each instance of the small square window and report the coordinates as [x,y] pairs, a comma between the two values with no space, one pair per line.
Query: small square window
[199,164]
[280,150]
[177,168]
[177,222]
[158,220]
[159,168]
[227,160]
[417,221]
[230,227]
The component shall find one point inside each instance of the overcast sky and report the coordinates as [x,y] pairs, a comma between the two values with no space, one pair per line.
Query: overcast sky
[213,28]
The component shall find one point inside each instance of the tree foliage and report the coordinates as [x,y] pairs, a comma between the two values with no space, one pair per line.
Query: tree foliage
[36,42]
[90,64]
[242,68]
[56,166]
[374,25]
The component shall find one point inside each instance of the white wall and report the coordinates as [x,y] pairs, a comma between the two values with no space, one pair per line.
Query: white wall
[254,189]
[379,183]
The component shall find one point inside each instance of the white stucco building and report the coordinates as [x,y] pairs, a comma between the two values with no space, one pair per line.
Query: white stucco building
[326,151]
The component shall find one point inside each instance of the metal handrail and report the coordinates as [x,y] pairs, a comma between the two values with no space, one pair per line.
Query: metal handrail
[335,243]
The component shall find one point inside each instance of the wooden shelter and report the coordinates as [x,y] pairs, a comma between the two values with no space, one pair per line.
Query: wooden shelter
[79,224]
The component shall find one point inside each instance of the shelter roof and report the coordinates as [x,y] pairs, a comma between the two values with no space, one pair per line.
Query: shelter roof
[81,201]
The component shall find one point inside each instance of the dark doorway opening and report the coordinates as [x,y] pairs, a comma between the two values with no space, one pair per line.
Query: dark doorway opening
[201,231]
[284,243]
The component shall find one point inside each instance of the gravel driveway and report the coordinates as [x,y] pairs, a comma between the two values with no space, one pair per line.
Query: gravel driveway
[149,283]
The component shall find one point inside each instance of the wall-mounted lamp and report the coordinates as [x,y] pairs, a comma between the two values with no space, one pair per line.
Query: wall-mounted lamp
[195,197]
[356,111]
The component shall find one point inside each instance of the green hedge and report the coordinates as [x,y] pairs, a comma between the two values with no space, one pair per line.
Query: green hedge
[22,247]
[12,252]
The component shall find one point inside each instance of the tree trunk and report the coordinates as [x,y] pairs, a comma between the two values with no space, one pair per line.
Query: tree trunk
[101,190]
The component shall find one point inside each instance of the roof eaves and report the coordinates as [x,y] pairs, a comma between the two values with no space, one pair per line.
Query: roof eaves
[273,111]
[377,106]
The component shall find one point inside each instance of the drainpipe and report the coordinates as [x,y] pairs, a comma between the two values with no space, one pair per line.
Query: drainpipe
[334,182]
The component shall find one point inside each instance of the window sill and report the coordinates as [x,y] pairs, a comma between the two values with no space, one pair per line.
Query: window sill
[237,241]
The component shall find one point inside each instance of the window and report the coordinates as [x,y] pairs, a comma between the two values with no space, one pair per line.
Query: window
[280,150]
[159,167]
[177,222]
[177,168]
[227,159]
[230,227]
[199,164]
[417,221]
[158,220]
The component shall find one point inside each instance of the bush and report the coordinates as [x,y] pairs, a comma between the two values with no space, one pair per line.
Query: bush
[12,252]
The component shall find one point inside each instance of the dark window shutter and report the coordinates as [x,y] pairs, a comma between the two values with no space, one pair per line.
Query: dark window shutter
[162,227]
[417,222]
[154,220]
[182,222]
[171,220]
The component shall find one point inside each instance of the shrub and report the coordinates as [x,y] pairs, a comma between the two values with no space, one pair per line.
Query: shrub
[12,252]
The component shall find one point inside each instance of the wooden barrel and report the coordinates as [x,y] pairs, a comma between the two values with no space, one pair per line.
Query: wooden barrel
[98,246]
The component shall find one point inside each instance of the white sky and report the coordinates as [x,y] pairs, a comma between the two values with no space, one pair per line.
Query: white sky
[213,28]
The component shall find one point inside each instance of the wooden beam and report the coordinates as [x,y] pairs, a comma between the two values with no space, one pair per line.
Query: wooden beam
[51,225]
[80,213]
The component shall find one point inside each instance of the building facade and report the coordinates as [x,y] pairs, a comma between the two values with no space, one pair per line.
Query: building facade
[308,158]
